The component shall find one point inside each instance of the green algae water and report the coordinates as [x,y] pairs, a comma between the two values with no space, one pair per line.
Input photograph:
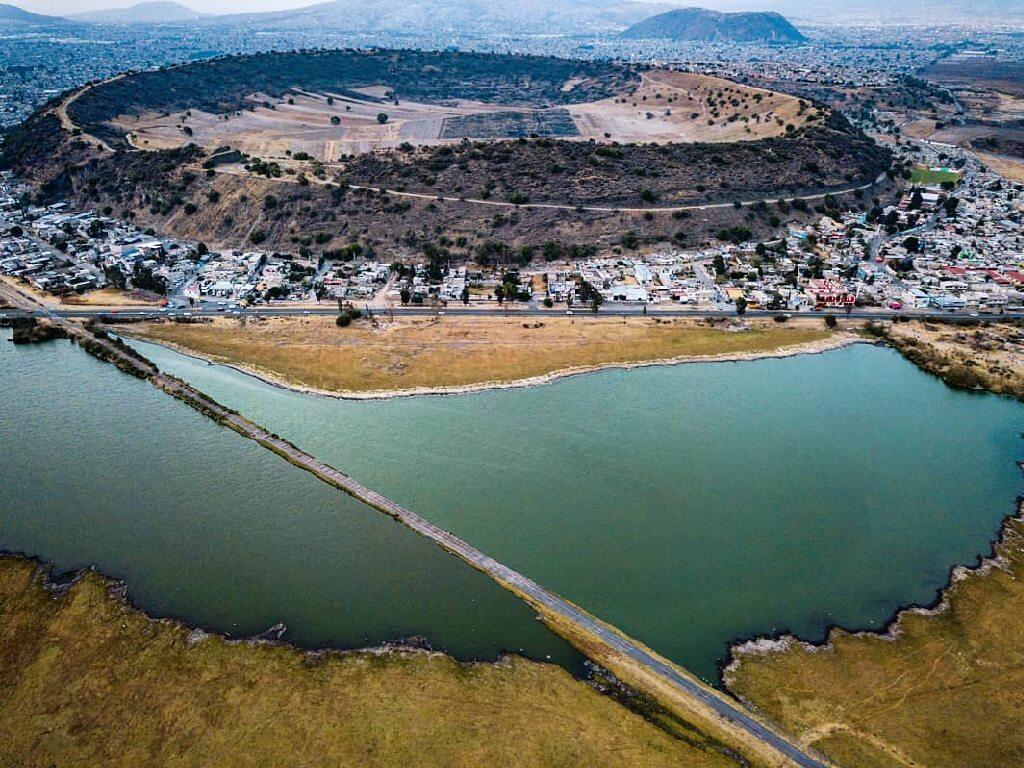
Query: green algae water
[98,468]
[690,505]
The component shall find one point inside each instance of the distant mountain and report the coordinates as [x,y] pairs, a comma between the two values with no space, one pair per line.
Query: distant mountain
[156,12]
[11,14]
[714,27]
[457,16]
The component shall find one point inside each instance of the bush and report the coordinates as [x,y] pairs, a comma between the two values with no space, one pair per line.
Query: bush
[343,321]
[830,321]
[964,376]
[548,302]
[257,236]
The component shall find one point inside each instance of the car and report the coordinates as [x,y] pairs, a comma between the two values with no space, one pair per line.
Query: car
[307,312]
[568,311]
[974,314]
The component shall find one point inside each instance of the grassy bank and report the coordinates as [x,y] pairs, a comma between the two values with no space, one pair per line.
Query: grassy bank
[88,681]
[943,689]
[986,356]
[456,352]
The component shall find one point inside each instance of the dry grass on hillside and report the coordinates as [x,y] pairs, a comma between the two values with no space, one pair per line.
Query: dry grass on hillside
[666,106]
[945,693]
[84,681]
[454,352]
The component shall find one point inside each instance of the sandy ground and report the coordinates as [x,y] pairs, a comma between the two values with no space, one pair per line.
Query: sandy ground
[667,106]
[22,294]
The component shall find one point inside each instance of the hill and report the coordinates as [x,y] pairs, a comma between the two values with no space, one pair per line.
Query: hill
[12,14]
[479,155]
[714,27]
[157,12]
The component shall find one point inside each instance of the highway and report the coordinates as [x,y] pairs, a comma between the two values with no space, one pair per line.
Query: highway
[606,310]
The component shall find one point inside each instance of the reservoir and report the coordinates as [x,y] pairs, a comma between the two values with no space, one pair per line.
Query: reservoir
[98,468]
[690,505]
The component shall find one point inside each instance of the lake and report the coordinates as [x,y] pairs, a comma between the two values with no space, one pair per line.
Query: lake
[689,505]
[101,469]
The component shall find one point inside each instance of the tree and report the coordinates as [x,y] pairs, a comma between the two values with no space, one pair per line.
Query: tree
[499,293]
[719,264]
[465,294]
[404,295]
[257,236]
[912,244]
[382,117]
[830,321]
[741,306]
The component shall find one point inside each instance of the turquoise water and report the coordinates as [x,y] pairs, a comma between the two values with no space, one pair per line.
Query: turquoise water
[689,505]
[98,468]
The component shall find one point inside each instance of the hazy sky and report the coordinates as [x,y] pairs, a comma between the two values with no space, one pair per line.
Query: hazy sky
[67,7]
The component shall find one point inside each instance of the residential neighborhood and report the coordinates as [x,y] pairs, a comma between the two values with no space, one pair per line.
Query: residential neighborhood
[954,241]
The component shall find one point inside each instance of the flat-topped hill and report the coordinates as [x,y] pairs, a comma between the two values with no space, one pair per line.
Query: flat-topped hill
[399,150]
[234,84]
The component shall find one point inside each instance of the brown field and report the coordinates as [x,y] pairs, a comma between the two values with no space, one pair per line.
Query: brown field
[942,690]
[666,107]
[87,681]
[111,297]
[458,352]
[1008,167]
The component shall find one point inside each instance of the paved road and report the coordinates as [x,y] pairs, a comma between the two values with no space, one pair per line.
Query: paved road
[607,310]
[530,590]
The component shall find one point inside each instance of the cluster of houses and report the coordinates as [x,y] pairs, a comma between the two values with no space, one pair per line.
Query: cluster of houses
[957,246]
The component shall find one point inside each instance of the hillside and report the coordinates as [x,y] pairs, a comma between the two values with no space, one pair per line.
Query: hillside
[157,12]
[621,145]
[703,25]
[12,14]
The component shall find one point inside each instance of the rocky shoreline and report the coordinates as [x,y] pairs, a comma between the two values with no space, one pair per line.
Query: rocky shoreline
[891,631]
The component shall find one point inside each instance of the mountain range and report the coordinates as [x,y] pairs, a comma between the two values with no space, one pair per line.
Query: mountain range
[702,25]
[558,17]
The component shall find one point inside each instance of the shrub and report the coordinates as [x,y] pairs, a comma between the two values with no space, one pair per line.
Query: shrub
[830,321]
[257,236]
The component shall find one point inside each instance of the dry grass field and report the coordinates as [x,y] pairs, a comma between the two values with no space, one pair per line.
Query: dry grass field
[943,691]
[666,107]
[1008,167]
[111,297]
[87,681]
[457,352]
[981,357]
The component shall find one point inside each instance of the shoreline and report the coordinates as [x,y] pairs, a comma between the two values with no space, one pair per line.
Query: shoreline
[839,340]
[891,630]
[57,583]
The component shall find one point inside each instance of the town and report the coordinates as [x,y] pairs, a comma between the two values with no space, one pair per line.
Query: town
[952,241]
